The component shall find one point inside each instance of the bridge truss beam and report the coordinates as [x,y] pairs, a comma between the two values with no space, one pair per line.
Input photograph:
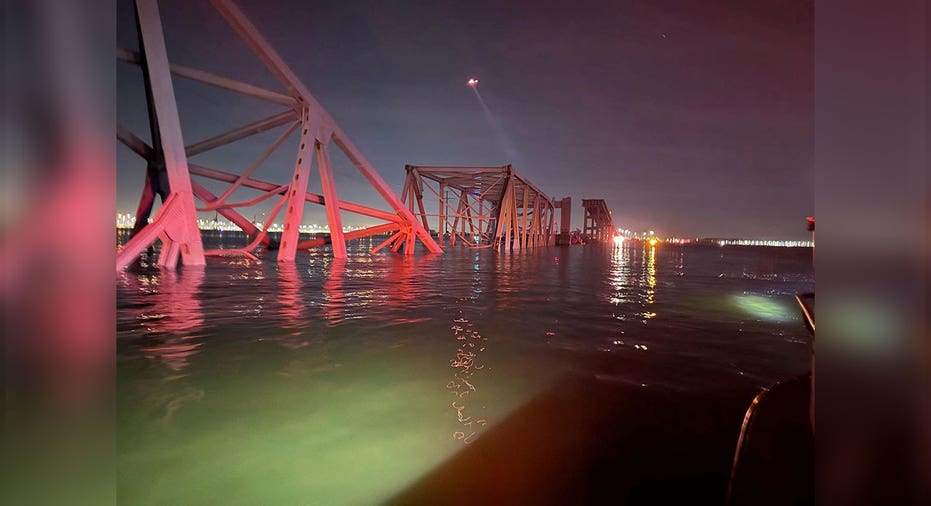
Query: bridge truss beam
[175,225]
[598,224]
[481,207]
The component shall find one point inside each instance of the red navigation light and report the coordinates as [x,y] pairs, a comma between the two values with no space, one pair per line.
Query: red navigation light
[473,82]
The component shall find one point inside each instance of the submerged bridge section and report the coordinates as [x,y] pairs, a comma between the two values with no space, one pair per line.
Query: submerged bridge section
[169,171]
[598,224]
[481,207]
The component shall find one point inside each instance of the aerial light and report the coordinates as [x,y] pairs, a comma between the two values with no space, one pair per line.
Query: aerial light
[473,82]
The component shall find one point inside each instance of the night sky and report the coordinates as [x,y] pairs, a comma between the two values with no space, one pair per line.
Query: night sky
[690,118]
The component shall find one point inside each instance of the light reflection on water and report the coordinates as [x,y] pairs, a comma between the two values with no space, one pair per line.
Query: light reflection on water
[466,365]
[256,382]
[633,281]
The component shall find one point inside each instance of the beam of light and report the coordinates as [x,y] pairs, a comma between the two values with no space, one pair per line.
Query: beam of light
[764,308]
[327,424]
[506,146]
[332,415]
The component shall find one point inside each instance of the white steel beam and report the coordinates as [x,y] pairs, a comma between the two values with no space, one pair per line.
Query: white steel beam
[334,219]
[256,127]
[314,198]
[287,250]
[181,227]
[215,80]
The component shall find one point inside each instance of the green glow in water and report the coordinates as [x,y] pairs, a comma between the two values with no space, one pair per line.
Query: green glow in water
[765,308]
[301,432]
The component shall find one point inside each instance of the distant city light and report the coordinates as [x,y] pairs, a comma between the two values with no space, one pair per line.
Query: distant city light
[765,242]
[128,221]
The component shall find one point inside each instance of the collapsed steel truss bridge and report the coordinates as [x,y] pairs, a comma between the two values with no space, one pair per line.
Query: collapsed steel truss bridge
[175,223]
[598,224]
[481,207]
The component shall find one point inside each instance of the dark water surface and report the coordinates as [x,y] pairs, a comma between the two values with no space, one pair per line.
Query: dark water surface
[559,375]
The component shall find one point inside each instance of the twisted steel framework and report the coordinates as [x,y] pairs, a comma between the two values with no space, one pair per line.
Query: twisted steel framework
[175,224]
[482,207]
[598,223]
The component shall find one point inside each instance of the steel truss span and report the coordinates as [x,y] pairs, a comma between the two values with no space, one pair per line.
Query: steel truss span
[175,223]
[481,207]
[598,225]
